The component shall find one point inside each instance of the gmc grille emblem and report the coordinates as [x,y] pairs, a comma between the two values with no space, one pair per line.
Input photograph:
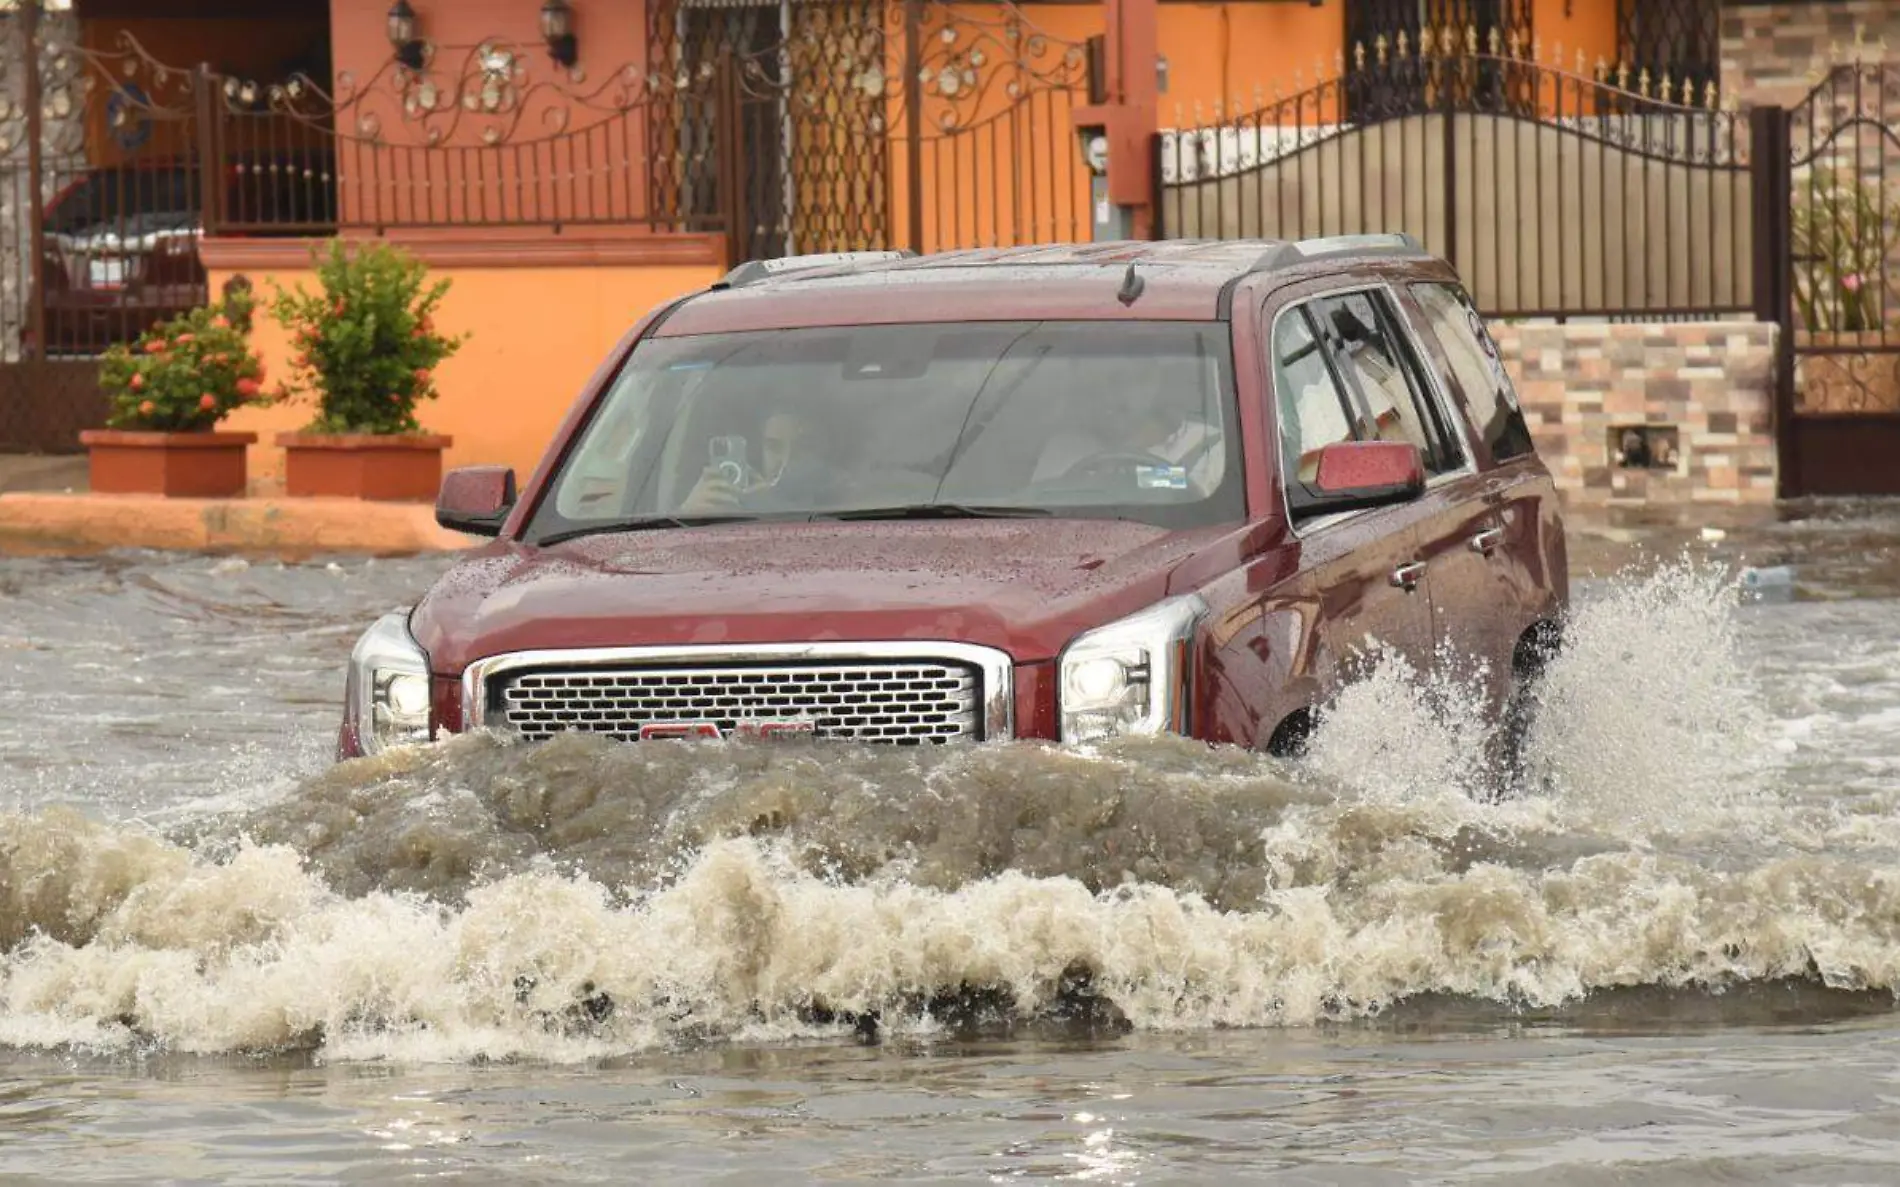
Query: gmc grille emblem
[751,730]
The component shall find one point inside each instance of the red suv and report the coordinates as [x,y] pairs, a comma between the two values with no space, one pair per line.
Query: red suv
[1060,492]
[122,241]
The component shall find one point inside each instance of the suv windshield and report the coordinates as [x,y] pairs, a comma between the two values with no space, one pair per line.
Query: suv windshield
[1127,420]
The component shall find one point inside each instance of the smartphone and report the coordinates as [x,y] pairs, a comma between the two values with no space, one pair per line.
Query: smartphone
[728,455]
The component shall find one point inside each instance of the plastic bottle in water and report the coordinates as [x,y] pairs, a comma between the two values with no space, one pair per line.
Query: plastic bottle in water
[1769,582]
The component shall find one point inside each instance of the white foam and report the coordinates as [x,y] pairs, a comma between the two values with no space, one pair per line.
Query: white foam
[737,893]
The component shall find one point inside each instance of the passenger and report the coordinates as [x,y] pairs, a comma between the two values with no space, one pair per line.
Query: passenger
[1151,409]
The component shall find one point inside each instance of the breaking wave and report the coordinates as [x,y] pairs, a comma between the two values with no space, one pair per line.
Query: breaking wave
[582,898]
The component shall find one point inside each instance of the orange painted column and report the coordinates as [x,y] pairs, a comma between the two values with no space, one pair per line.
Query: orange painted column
[1127,114]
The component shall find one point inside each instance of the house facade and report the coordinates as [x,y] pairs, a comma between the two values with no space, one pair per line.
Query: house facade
[569,164]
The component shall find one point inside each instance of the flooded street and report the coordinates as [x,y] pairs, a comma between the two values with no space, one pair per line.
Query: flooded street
[223,960]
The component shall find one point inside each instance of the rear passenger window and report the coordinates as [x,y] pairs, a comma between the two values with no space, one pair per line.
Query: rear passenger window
[1476,365]
[1312,407]
[1382,375]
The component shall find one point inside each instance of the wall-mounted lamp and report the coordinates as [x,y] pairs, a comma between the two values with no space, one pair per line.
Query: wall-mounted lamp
[557,29]
[402,35]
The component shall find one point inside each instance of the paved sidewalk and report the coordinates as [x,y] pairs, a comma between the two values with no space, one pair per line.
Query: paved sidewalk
[65,524]
[46,508]
[42,472]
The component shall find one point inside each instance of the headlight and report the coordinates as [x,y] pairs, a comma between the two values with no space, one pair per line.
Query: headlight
[388,686]
[1129,677]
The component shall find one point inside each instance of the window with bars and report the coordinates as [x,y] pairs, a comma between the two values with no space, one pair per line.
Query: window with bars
[812,150]
[1384,92]
[1677,39]
[1367,19]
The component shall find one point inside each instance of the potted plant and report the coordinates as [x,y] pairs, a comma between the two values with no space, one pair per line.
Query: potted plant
[168,391]
[367,348]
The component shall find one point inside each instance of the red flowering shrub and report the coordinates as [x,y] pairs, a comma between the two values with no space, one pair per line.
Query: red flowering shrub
[366,344]
[186,375]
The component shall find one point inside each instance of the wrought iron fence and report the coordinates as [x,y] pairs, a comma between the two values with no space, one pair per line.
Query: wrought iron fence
[480,140]
[101,222]
[99,198]
[1556,192]
[991,153]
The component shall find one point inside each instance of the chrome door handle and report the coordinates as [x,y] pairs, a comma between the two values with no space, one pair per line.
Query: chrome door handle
[1406,576]
[1487,541]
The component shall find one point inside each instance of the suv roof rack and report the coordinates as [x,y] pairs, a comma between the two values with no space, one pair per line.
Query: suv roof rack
[753,271]
[1389,243]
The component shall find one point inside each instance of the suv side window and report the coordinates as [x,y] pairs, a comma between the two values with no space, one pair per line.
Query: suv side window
[1475,363]
[1385,379]
[1312,406]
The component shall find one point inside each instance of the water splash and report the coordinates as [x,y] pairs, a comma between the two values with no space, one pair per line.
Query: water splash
[577,898]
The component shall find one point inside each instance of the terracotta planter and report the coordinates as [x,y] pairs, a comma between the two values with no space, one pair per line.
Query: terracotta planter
[393,469]
[176,465]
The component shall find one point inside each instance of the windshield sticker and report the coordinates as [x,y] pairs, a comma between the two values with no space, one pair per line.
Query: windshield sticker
[1161,477]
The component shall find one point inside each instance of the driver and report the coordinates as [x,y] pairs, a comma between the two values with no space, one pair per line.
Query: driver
[786,438]
[1136,415]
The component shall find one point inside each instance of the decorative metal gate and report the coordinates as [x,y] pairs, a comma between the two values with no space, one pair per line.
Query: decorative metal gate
[1557,195]
[1838,407]
[870,124]
[98,233]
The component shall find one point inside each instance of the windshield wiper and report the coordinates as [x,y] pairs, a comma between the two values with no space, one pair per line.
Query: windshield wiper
[943,511]
[647,523]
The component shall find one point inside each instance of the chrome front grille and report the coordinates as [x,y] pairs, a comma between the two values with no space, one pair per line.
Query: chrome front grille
[907,701]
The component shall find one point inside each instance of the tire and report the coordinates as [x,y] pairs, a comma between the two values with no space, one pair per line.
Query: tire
[1512,777]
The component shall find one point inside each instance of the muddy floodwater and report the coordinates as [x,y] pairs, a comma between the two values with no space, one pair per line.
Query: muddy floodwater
[224,960]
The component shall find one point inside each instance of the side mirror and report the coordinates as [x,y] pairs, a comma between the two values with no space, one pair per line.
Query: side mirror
[1357,475]
[476,499]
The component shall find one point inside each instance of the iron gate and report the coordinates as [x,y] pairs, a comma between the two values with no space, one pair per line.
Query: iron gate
[98,234]
[1554,192]
[867,124]
[1838,395]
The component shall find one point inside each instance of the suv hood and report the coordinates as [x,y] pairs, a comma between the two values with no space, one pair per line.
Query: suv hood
[1024,585]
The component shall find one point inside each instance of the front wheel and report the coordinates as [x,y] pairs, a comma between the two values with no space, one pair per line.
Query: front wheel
[1513,776]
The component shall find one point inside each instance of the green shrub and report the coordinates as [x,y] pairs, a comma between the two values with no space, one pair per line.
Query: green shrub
[366,343]
[185,375]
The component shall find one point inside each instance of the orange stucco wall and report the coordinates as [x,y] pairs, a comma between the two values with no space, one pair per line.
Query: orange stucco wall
[1590,27]
[538,334]
[610,34]
[1225,53]
[511,165]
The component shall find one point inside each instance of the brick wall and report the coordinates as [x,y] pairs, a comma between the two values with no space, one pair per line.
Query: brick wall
[1704,388]
[1775,53]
